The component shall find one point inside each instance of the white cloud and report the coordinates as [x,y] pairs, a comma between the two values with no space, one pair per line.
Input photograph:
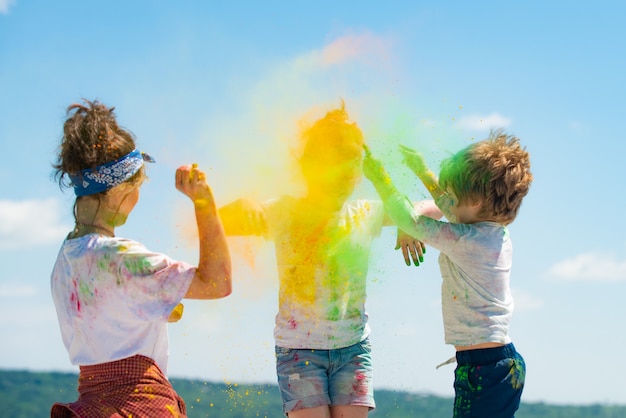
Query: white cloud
[525,301]
[590,266]
[481,123]
[4,6]
[12,290]
[30,222]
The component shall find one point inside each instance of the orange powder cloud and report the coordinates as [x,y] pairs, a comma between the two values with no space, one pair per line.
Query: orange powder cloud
[366,47]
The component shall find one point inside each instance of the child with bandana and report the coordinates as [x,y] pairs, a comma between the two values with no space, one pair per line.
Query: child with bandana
[112,295]
[479,190]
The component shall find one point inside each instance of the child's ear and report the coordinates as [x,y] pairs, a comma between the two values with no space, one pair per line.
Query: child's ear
[477,204]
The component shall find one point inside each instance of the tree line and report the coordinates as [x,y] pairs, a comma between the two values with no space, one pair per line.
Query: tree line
[25,394]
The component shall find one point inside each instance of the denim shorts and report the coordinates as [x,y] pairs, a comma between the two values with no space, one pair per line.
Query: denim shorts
[311,378]
[488,382]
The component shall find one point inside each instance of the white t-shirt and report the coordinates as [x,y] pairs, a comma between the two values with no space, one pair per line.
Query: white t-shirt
[113,298]
[475,262]
[322,270]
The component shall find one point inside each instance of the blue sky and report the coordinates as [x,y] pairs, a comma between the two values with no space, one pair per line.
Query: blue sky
[225,84]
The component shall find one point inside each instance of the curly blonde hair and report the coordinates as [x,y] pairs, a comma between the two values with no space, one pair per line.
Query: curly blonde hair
[495,172]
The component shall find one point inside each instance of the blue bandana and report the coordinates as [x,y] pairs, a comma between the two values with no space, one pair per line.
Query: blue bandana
[106,176]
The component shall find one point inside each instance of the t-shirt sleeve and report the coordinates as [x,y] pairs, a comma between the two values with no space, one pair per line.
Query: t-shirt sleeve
[444,202]
[156,282]
[377,215]
[275,214]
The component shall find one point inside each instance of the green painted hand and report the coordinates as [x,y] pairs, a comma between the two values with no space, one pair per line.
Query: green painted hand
[373,169]
[413,160]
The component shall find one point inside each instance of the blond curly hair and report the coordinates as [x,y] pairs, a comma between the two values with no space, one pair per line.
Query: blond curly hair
[495,172]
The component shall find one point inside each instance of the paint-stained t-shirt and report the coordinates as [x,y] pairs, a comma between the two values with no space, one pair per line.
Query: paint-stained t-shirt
[475,262]
[113,298]
[322,267]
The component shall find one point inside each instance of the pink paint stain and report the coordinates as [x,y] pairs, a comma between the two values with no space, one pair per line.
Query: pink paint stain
[74,299]
[360,384]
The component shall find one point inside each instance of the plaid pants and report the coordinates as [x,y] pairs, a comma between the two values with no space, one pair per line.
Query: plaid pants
[133,387]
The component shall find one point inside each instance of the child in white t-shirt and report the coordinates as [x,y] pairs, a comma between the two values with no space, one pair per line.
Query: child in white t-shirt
[479,190]
[322,242]
[112,295]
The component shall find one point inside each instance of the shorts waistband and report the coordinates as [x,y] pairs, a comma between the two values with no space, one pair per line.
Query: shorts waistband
[485,355]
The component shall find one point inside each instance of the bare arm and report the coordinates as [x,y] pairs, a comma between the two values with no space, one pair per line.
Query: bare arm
[423,207]
[397,206]
[428,208]
[213,276]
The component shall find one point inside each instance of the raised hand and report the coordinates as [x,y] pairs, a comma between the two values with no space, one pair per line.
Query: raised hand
[244,217]
[414,160]
[373,169]
[191,181]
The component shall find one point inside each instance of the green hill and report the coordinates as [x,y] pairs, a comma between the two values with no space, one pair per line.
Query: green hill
[30,395]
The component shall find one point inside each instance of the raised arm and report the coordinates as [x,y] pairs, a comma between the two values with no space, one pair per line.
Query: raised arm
[415,161]
[397,206]
[213,275]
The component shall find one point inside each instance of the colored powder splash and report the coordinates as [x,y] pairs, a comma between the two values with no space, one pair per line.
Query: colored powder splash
[322,267]
[253,151]
[251,148]
[321,249]
[400,122]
